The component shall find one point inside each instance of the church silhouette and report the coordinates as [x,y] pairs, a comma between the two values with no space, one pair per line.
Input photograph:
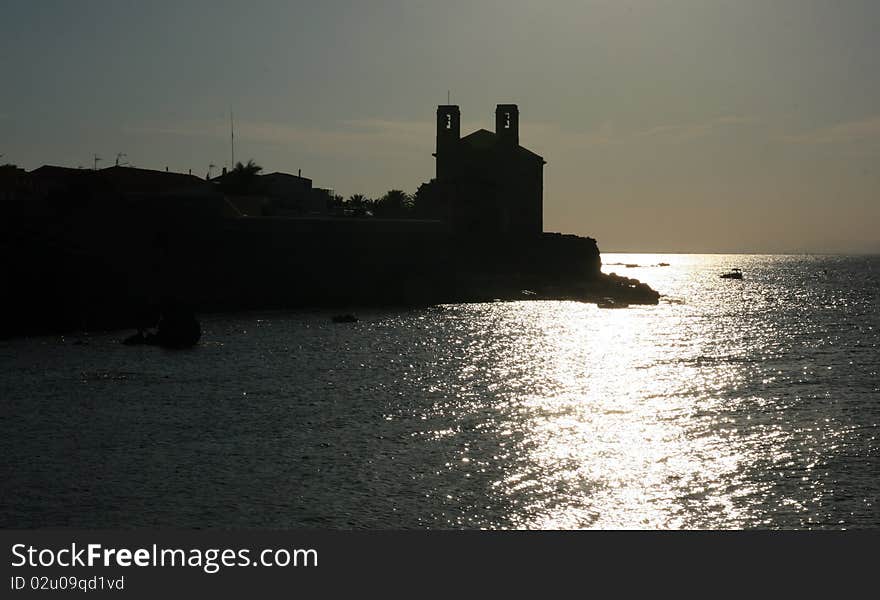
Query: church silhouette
[486,183]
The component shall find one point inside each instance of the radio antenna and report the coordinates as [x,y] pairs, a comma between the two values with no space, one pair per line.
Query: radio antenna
[232,137]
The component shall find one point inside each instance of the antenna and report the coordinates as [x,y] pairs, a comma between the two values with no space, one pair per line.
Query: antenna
[97,159]
[211,167]
[120,155]
[448,97]
[232,137]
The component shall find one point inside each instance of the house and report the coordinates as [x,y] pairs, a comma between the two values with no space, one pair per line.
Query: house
[293,194]
[112,181]
[119,189]
[14,183]
[273,194]
[130,180]
[485,183]
[50,180]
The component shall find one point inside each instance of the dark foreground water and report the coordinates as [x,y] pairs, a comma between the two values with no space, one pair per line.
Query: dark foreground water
[732,404]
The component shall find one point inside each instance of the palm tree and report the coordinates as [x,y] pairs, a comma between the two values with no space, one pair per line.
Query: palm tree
[396,203]
[242,178]
[336,204]
[251,169]
[358,204]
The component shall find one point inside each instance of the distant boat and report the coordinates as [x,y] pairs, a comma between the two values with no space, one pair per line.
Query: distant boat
[177,328]
[611,303]
[732,274]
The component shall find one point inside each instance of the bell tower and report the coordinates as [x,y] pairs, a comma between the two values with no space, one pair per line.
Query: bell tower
[507,124]
[448,134]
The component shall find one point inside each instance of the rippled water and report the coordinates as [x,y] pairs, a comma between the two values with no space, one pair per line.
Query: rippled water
[732,404]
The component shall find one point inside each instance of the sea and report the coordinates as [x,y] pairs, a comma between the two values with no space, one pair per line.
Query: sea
[732,404]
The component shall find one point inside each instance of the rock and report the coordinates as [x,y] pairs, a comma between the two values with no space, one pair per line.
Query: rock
[178,328]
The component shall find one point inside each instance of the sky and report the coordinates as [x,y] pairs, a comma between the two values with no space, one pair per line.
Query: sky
[668,126]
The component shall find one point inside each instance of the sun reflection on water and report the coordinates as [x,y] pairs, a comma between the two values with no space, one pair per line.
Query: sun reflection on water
[650,417]
[607,444]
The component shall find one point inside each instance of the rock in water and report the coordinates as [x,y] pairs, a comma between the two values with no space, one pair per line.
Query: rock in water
[178,328]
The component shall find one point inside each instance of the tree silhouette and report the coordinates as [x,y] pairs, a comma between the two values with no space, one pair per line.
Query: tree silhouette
[396,203]
[358,205]
[424,203]
[336,204]
[251,169]
[242,178]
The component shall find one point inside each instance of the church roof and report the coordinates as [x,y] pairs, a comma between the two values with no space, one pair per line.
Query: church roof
[483,139]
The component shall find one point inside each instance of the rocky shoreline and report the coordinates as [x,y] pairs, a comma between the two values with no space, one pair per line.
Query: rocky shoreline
[98,276]
[603,288]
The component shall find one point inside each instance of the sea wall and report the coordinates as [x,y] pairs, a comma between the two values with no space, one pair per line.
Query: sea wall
[115,271]
[288,263]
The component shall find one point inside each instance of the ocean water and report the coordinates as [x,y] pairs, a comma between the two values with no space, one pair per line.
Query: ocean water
[731,404]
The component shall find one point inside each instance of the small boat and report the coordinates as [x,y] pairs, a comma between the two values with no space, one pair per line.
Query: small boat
[178,328]
[732,274]
[611,303]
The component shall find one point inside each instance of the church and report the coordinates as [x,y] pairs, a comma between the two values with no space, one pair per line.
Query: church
[486,183]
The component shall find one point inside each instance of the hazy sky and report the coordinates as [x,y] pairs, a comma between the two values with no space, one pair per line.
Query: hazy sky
[682,125]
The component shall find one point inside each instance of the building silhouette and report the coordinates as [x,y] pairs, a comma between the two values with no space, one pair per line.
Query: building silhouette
[486,183]
[274,195]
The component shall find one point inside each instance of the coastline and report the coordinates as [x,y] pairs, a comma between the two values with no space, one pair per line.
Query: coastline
[607,288]
[98,276]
